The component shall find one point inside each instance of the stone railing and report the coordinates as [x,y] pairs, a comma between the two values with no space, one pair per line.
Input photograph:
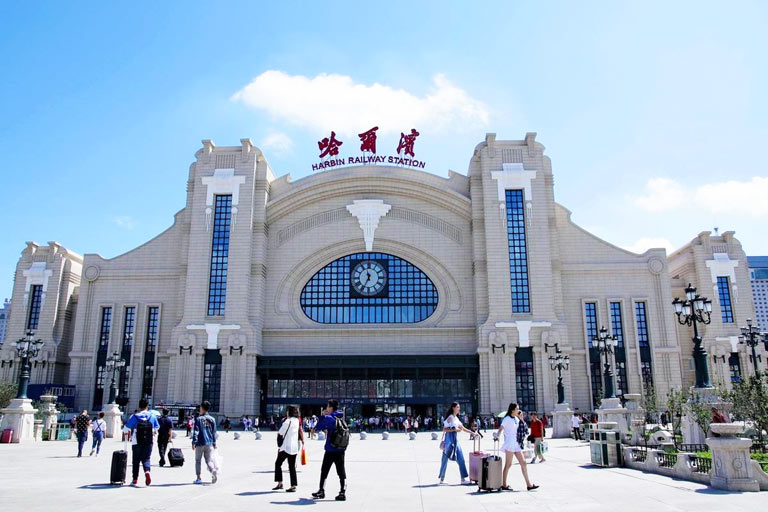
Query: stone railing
[729,468]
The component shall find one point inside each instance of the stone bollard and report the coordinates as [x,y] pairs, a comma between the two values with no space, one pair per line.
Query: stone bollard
[321,436]
[412,436]
[257,436]
[732,468]
[49,411]
[562,418]
[384,435]
[363,435]
[237,436]
[435,437]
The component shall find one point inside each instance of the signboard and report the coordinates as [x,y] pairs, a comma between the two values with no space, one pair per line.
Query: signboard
[330,149]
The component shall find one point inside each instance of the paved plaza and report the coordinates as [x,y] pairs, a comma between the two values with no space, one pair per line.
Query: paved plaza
[395,475]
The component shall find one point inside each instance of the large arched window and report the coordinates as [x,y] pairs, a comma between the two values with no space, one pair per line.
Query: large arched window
[369,288]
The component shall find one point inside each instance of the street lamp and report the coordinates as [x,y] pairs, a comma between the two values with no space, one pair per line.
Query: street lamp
[751,336]
[604,344]
[27,348]
[692,311]
[559,362]
[114,364]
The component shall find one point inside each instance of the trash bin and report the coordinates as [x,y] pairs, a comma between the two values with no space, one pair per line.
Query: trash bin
[63,432]
[605,445]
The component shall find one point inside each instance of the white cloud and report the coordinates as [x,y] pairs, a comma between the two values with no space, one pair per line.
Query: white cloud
[745,197]
[278,143]
[337,102]
[662,194]
[643,244]
[124,221]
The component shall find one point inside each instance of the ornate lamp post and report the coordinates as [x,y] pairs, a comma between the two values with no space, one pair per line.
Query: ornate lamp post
[604,344]
[559,362]
[114,364]
[27,348]
[751,336]
[692,311]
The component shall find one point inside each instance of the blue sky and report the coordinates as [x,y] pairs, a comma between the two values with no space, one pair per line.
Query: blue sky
[642,106]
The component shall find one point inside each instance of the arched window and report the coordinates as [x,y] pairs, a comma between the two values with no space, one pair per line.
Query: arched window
[369,288]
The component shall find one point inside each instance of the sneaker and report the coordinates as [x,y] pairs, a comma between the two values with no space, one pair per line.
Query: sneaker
[135,482]
[533,461]
[147,478]
[341,497]
[214,476]
[320,494]
[91,455]
[197,481]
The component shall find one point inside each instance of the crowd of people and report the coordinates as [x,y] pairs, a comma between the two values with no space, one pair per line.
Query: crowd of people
[144,428]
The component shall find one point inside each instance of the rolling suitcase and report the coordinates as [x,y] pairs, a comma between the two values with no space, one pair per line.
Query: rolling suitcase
[119,466]
[175,457]
[476,457]
[490,477]
[6,436]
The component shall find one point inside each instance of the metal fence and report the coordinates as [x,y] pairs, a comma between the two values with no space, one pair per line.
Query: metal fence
[694,448]
[666,460]
[701,464]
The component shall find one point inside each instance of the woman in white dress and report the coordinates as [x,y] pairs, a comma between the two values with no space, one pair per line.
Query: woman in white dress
[450,445]
[513,444]
[288,438]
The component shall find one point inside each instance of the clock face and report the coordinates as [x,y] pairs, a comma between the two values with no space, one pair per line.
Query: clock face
[369,278]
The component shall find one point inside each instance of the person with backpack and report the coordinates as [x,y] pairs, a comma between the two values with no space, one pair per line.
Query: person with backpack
[290,438]
[336,442]
[98,429]
[204,443]
[164,435]
[142,426]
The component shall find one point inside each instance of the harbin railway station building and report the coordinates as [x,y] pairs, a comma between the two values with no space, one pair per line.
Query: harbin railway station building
[387,287]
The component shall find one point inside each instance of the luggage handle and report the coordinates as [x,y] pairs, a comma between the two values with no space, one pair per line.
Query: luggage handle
[476,439]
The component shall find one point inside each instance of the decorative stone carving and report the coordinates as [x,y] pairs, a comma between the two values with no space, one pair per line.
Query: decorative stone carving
[655,265]
[722,266]
[49,411]
[368,212]
[92,273]
[524,329]
[223,181]
[36,274]
[513,176]
[731,469]
[212,330]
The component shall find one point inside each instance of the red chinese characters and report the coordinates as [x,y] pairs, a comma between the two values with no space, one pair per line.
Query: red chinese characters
[407,141]
[329,145]
[368,140]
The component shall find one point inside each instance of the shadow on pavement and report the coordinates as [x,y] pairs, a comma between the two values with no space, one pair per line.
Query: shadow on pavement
[300,501]
[255,493]
[96,487]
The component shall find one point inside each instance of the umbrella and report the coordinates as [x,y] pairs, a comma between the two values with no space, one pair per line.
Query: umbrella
[155,412]
[501,414]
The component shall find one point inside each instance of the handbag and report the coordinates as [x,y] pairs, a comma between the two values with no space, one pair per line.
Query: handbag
[442,443]
[303,457]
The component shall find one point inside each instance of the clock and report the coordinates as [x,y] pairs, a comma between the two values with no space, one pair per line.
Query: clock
[369,278]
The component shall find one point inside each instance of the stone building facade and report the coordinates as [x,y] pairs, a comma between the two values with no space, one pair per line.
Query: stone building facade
[390,288]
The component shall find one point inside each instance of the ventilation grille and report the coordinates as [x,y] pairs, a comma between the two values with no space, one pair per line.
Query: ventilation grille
[428,221]
[511,156]
[225,161]
[310,223]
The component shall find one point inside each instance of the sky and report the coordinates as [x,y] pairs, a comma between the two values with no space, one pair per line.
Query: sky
[653,113]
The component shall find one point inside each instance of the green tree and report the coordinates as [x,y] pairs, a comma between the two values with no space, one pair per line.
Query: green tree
[675,402]
[750,400]
[699,409]
[7,392]
[650,402]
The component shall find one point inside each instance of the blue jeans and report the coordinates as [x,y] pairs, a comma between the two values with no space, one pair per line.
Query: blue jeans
[81,437]
[141,455]
[459,460]
[98,437]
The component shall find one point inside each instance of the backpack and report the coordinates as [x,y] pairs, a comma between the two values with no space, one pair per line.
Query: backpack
[340,437]
[143,431]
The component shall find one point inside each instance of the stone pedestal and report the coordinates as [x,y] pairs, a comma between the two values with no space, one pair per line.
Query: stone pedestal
[732,469]
[114,419]
[20,416]
[562,421]
[611,411]
[49,411]
[692,433]
[363,435]
[635,417]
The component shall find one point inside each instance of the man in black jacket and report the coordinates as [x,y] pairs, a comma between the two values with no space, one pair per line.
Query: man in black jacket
[164,435]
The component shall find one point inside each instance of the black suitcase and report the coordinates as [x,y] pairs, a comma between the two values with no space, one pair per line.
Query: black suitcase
[175,457]
[119,465]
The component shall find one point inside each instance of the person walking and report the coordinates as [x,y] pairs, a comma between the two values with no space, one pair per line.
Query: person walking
[204,443]
[450,444]
[576,425]
[82,422]
[537,433]
[332,421]
[98,429]
[142,426]
[515,431]
[190,425]
[288,438]
[164,434]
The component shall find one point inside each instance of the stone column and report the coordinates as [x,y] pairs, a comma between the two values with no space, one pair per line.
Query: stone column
[20,417]
[732,468]
[113,417]
[50,413]
[562,420]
